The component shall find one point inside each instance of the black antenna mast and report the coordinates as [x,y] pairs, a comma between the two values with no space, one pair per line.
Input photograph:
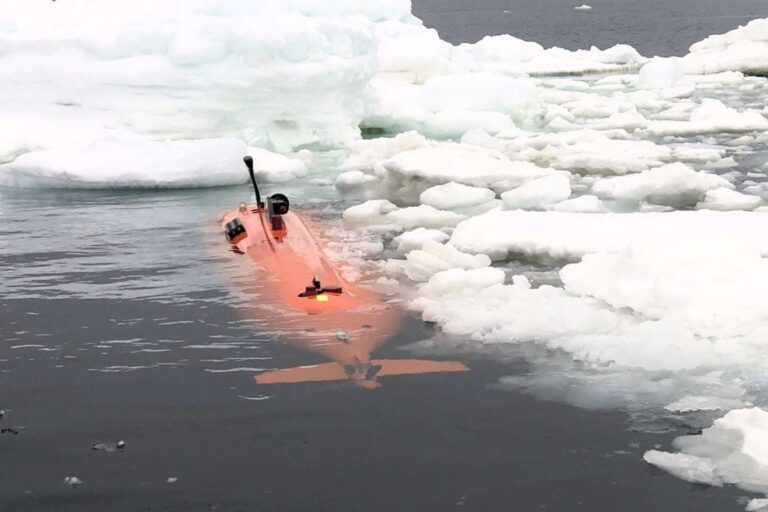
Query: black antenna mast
[249,164]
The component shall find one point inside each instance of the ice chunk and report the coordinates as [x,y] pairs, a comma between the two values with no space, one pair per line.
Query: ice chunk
[411,48]
[465,164]
[415,239]
[452,196]
[593,152]
[457,280]
[688,467]
[583,7]
[704,403]
[720,295]
[732,451]
[451,104]
[509,55]
[433,257]
[661,74]
[538,194]
[726,199]
[559,235]
[201,69]
[369,213]
[675,185]
[424,216]
[756,504]
[351,179]
[582,204]
[629,308]
[118,163]
[743,49]
[273,167]
[366,154]
[712,116]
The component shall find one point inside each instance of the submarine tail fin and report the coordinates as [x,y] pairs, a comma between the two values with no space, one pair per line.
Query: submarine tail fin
[328,372]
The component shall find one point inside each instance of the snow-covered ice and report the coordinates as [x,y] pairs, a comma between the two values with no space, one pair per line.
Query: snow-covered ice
[734,450]
[110,162]
[743,49]
[675,185]
[569,236]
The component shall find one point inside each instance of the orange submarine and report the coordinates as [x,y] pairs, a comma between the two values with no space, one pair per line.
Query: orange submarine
[305,299]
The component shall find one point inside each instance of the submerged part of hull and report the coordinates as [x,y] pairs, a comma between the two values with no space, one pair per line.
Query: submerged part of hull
[305,300]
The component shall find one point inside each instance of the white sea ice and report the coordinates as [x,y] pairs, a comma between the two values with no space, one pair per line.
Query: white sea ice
[454,196]
[539,193]
[717,296]
[424,216]
[675,185]
[509,55]
[631,308]
[725,199]
[110,163]
[661,74]
[743,49]
[581,204]
[459,281]
[201,68]
[433,257]
[593,152]
[352,179]
[691,403]
[465,164]
[446,106]
[756,504]
[371,212]
[367,155]
[583,7]
[732,451]
[415,239]
[274,167]
[712,116]
[569,236]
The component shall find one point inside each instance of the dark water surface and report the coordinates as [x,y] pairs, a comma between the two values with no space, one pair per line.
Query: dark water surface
[653,27]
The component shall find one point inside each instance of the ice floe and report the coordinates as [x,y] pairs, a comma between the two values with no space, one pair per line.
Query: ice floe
[732,451]
[743,49]
[569,236]
[110,162]
[675,185]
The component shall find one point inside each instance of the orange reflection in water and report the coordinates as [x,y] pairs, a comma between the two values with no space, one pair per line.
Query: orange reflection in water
[305,299]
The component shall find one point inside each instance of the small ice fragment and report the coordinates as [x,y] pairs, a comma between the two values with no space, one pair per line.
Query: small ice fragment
[703,403]
[583,7]
[2,414]
[352,179]
[72,480]
[172,480]
[757,504]
[521,281]
[342,336]
[108,447]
